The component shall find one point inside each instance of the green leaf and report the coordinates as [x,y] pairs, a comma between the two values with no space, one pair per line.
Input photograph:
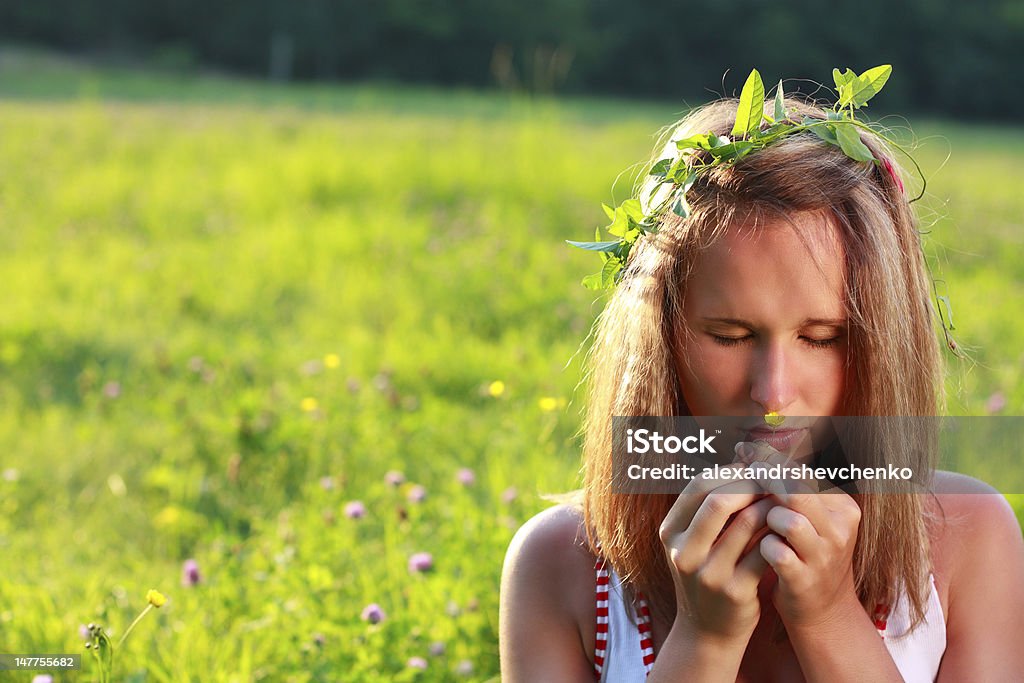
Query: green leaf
[597,238]
[949,311]
[661,168]
[851,143]
[695,142]
[632,209]
[595,246]
[751,108]
[733,150]
[593,281]
[825,131]
[780,105]
[609,211]
[610,271]
[619,224]
[845,86]
[680,207]
[842,79]
[688,182]
[869,83]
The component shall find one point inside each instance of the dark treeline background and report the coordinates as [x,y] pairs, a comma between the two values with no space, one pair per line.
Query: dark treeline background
[950,57]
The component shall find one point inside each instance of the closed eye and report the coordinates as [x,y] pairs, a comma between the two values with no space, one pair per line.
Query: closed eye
[736,341]
[822,343]
[731,341]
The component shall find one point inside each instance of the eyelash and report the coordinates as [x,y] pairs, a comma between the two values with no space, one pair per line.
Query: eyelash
[736,341]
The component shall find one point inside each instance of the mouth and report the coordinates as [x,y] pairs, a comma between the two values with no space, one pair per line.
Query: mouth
[782,440]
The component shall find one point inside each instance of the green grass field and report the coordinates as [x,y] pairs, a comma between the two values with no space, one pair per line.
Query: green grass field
[229,309]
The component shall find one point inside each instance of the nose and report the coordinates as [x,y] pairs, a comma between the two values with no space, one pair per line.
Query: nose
[771,382]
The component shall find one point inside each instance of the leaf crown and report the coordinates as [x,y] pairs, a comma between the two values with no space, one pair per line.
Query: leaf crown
[753,130]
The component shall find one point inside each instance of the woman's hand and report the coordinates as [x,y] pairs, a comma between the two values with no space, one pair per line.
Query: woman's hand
[810,549]
[709,539]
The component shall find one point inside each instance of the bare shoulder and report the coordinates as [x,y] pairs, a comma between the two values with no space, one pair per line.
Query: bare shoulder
[547,599]
[978,564]
[549,556]
[964,499]
[975,527]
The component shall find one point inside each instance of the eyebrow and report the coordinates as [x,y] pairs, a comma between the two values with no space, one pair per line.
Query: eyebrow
[806,322]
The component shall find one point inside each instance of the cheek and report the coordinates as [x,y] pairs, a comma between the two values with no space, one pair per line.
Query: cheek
[715,378]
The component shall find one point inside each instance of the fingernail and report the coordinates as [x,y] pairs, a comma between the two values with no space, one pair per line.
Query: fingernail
[744,451]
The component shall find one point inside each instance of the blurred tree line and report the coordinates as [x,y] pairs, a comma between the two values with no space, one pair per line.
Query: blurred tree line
[949,57]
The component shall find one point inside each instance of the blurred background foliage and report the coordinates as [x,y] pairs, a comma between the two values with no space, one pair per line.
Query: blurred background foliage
[232,310]
[950,58]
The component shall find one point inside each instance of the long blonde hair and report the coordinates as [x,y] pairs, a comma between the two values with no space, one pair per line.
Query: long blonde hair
[894,355]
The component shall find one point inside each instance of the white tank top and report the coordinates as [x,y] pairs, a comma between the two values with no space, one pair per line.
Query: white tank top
[624,652]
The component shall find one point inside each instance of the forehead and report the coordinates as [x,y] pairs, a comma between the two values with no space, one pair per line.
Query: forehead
[779,269]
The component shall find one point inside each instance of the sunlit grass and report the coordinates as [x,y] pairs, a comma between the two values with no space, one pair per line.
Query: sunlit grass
[225,320]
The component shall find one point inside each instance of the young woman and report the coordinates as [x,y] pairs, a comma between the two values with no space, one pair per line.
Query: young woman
[795,284]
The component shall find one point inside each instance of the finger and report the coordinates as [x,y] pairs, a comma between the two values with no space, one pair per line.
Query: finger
[764,455]
[798,531]
[750,571]
[739,533]
[692,496]
[779,556]
[831,515]
[718,507]
[772,486]
[688,546]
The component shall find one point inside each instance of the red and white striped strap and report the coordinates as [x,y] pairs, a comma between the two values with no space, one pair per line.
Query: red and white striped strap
[601,627]
[644,626]
[601,630]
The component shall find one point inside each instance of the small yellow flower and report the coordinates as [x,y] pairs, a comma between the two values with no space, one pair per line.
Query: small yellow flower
[496,388]
[332,361]
[548,403]
[774,419]
[309,404]
[155,597]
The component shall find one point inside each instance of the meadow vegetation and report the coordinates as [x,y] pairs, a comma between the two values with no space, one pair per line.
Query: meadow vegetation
[322,341]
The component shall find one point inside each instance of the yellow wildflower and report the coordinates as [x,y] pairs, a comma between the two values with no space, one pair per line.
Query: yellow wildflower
[309,404]
[155,597]
[496,388]
[332,361]
[548,403]
[774,419]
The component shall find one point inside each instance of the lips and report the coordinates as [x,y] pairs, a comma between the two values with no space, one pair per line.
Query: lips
[782,440]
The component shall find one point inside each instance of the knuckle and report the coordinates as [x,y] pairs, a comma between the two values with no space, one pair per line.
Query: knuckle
[683,562]
[749,520]
[854,512]
[716,504]
[737,594]
[708,580]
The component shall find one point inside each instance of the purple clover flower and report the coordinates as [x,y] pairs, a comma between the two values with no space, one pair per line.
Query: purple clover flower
[373,613]
[190,575]
[466,476]
[416,494]
[996,402]
[421,562]
[355,509]
[394,478]
[417,663]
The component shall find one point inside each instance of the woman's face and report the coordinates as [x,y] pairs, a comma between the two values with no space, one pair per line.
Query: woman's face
[768,330]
